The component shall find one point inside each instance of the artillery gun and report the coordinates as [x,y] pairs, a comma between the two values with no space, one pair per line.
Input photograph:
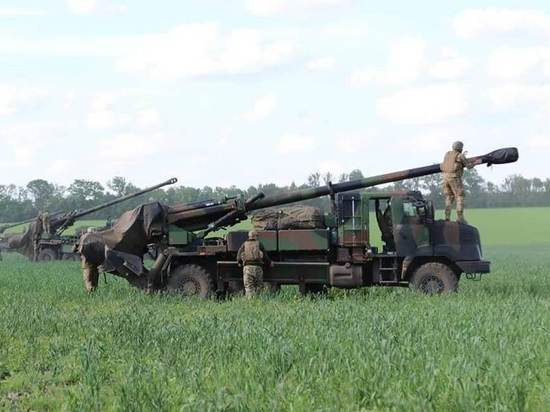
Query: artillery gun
[418,250]
[35,244]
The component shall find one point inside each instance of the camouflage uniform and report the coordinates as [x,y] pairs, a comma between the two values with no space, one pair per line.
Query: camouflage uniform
[90,270]
[453,188]
[252,257]
[37,235]
[45,217]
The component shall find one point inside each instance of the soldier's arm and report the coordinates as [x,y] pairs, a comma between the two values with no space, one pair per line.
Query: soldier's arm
[267,259]
[465,162]
[240,256]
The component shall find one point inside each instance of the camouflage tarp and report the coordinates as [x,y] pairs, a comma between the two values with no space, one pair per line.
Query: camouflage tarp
[24,242]
[133,230]
[296,217]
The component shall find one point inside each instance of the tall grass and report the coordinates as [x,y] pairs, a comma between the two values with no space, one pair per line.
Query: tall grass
[485,348]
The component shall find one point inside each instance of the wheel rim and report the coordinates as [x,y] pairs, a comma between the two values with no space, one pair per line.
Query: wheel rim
[432,285]
[189,287]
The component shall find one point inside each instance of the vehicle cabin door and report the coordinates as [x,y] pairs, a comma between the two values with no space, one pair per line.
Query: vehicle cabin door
[411,233]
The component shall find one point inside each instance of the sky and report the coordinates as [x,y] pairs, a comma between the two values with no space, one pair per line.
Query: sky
[242,92]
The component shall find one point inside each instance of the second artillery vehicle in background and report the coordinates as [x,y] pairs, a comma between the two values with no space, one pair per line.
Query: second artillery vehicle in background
[37,245]
[419,251]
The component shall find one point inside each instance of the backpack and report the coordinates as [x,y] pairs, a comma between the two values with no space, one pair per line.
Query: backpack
[252,252]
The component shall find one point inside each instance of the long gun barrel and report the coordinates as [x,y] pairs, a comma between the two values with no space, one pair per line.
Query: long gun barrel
[226,213]
[12,225]
[63,222]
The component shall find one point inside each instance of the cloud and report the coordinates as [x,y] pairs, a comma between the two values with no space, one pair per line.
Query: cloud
[10,12]
[321,64]
[130,148]
[514,62]
[513,95]
[435,141]
[88,7]
[408,61]
[262,109]
[265,8]
[450,65]
[202,49]
[295,143]
[120,109]
[15,98]
[423,105]
[351,142]
[474,23]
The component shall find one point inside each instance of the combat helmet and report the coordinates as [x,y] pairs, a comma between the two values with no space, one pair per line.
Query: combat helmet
[458,146]
[253,235]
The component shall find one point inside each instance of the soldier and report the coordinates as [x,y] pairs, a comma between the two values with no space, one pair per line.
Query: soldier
[38,229]
[90,268]
[453,169]
[45,217]
[252,257]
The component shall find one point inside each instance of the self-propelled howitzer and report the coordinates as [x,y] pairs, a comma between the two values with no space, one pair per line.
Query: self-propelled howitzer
[418,250]
[36,244]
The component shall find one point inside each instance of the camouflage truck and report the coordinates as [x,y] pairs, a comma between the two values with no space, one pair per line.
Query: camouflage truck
[427,254]
[37,245]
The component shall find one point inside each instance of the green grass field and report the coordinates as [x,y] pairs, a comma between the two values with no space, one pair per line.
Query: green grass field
[485,348]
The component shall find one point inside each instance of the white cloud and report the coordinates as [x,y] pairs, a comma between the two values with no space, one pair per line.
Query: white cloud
[264,8]
[405,63]
[9,12]
[295,143]
[450,65]
[88,7]
[14,98]
[202,49]
[351,142]
[434,141]
[474,23]
[121,109]
[423,105]
[514,62]
[130,148]
[321,64]
[262,109]
[409,59]
[513,95]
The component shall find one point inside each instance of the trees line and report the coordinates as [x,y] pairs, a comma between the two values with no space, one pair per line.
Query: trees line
[22,202]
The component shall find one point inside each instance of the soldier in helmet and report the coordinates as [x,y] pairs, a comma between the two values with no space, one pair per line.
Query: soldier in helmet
[45,217]
[453,169]
[252,257]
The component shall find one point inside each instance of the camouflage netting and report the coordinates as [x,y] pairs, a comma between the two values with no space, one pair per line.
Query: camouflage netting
[134,229]
[296,217]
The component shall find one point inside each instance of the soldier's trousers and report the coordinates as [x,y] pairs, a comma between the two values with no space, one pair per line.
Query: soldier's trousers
[253,277]
[90,274]
[453,189]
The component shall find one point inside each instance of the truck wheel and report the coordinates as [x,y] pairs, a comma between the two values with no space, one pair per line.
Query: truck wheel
[47,255]
[434,279]
[191,280]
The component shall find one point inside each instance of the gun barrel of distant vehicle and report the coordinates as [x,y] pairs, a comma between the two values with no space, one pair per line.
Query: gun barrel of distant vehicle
[78,215]
[12,225]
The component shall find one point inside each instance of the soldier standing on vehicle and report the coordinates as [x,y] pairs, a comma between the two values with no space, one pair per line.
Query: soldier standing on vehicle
[45,217]
[252,257]
[453,170]
[38,229]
